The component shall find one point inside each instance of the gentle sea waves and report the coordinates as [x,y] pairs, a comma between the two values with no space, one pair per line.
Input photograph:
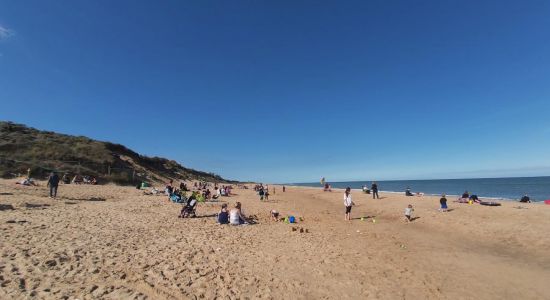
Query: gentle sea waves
[537,188]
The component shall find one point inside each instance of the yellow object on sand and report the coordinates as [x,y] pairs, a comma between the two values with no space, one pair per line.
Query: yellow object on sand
[374,220]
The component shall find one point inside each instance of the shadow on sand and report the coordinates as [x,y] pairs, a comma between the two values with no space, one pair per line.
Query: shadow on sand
[6,207]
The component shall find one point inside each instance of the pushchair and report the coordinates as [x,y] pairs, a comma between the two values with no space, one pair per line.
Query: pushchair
[189,209]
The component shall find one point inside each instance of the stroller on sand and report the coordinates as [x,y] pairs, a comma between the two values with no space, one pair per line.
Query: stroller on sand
[189,209]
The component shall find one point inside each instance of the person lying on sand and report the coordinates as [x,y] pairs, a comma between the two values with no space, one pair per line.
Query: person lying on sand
[236,216]
[27,182]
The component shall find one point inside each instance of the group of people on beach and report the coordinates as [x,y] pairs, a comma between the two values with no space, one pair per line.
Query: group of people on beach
[53,181]
[234,216]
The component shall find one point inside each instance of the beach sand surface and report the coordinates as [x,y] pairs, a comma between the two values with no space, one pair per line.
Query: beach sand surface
[111,242]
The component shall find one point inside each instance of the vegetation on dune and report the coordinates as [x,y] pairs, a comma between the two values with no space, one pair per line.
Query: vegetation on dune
[22,147]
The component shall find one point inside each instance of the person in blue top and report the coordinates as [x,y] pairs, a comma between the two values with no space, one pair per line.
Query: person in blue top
[223,215]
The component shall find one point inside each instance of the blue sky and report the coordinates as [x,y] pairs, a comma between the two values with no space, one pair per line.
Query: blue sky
[290,91]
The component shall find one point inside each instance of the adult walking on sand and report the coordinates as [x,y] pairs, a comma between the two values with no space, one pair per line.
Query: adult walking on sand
[348,203]
[374,189]
[53,183]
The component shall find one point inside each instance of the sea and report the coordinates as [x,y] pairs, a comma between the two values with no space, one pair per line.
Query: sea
[512,188]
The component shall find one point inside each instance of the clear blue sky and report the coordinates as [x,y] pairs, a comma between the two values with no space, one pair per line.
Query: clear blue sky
[290,91]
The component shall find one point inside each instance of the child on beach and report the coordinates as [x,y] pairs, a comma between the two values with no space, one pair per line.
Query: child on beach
[348,203]
[408,213]
[443,202]
[223,215]
[274,215]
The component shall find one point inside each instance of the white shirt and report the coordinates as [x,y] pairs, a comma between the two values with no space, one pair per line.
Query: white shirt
[234,217]
[347,200]
[408,211]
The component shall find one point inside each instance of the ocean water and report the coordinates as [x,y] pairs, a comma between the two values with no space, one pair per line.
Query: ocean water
[537,188]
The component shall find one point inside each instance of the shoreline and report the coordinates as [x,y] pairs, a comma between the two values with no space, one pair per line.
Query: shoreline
[425,194]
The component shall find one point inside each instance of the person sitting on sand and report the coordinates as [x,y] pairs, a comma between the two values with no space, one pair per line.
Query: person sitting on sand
[408,213]
[474,198]
[77,179]
[443,203]
[408,192]
[348,203]
[223,215]
[274,215]
[525,199]
[465,198]
[236,216]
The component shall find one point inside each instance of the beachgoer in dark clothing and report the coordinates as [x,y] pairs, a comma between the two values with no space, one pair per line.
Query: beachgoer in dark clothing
[443,202]
[374,189]
[525,199]
[223,215]
[474,198]
[284,189]
[53,183]
[408,192]
[466,195]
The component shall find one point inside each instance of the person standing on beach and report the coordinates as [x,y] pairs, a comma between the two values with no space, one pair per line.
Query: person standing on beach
[443,203]
[348,203]
[284,189]
[53,183]
[374,189]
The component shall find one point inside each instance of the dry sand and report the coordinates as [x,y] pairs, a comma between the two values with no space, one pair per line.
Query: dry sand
[133,246]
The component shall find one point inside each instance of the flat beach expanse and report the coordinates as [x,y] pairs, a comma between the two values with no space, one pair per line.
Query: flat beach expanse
[113,242]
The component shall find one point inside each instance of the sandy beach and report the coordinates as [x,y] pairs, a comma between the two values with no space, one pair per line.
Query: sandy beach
[112,242]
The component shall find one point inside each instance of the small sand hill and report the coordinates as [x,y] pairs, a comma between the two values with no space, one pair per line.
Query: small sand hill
[110,242]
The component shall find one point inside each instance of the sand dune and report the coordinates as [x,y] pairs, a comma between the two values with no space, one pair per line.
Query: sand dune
[116,243]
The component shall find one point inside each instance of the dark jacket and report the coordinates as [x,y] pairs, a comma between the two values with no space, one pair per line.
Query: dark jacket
[53,180]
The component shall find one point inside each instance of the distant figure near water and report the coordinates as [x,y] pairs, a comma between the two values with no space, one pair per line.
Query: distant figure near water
[408,192]
[525,199]
[443,203]
[374,188]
